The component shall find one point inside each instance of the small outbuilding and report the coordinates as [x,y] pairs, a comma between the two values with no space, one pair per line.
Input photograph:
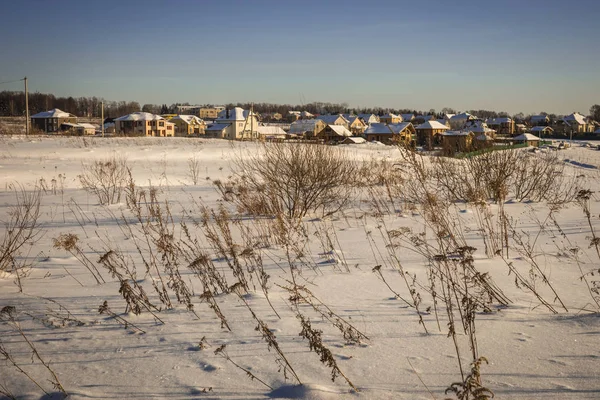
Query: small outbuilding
[528,139]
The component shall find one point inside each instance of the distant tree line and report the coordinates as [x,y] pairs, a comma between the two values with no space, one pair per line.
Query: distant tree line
[12,103]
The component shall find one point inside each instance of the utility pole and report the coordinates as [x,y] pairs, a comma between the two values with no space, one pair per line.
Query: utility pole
[26,109]
[102,118]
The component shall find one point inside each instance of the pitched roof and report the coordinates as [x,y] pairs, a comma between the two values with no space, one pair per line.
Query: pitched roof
[217,127]
[369,117]
[270,130]
[354,139]
[139,116]
[461,116]
[390,115]
[541,129]
[187,119]
[306,114]
[407,117]
[331,119]
[54,113]
[398,128]
[235,114]
[575,117]
[499,120]
[378,128]
[538,118]
[340,130]
[304,125]
[432,125]
[478,126]
[526,137]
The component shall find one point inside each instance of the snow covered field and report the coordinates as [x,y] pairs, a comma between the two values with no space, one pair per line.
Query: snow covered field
[367,318]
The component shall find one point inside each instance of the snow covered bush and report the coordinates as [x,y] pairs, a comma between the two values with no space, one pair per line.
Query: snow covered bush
[291,179]
[105,179]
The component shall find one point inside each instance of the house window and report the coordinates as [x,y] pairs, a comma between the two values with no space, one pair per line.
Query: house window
[161,124]
[169,128]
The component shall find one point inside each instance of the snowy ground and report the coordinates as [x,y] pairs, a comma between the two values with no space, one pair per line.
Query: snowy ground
[532,352]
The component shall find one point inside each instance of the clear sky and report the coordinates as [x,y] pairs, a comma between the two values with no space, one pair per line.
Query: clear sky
[505,55]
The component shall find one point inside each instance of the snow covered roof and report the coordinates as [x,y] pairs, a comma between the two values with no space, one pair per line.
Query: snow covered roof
[448,116]
[398,128]
[54,113]
[369,117]
[432,125]
[390,115]
[304,125]
[294,113]
[235,114]
[426,117]
[539,118]
[478,126]
[331,119]
[217,127]
[352,118]
[340,130]
[187,119]
[407,117]
[526,137]
[575,117]
[270,130]
[306,114]
[542,129]
[354,139]
[462,116]
[87,126]
[378,128]
[139,116]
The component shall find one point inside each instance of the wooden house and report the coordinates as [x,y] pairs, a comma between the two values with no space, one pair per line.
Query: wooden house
[428,134]
[403,132]
[540,131]
[307,128]
[528,139]
[456,142]
[355,125]
[502,125]
[242,123]
[334,133]
[390,118]
[369,118]
[459,121]
[379,132]
[336,119]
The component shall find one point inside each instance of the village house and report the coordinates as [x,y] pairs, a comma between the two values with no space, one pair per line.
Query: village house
[306,115]
[528,139]
[483,141]
[186,110]
[369,118]
[378,132]
[456,142]
[355,125]
[217,131]
[337,119]
[520,128]
[354,140]
[307,128]
[334,133]
[242,124]
[50,121]
[539,120]
[428,134]
[210,113]
[143,124]
[458,121]
[269,133]
[576,123]
[410,117]
[79,129]
[403,132]
[540,131]
[502,125]
[186,125]
[390,118]
[478,127]
[293,116]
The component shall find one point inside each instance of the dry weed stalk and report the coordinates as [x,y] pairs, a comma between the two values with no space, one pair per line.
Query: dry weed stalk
[471,388]
[22,231]
[7,314]
[104,309]
[223,352]
[69,243]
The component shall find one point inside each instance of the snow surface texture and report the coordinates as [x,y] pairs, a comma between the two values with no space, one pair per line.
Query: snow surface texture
[532,353]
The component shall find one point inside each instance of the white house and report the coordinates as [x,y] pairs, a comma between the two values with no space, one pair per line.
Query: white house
[242,124]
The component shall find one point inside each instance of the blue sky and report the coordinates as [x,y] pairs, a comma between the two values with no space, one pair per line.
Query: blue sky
[528,55]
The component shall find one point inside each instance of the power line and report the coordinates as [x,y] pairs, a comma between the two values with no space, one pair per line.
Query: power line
[18,80]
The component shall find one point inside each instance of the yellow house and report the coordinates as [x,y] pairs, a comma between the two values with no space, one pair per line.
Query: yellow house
[390,118]
[186,125]
[211,113]
[428,133]
[456,142]
[355,125]
[143,124]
